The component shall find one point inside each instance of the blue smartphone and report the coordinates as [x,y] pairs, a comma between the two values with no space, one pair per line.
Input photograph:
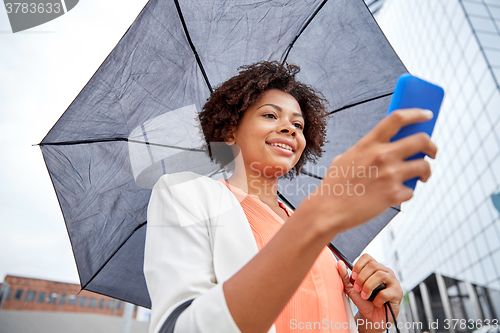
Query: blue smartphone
[412,92]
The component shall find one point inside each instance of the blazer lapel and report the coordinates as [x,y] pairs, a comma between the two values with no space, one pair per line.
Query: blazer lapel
[233,241]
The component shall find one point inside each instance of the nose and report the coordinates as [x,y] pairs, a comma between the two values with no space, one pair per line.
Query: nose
[288,129]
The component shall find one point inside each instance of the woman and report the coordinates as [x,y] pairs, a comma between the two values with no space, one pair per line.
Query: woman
[219,255]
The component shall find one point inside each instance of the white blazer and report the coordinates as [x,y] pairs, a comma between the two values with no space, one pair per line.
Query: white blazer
[197,237]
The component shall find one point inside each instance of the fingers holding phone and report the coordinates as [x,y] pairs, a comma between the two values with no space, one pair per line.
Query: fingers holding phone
[381,169]
[412,92]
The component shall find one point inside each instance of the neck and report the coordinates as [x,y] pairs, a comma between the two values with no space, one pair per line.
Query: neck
[255,183]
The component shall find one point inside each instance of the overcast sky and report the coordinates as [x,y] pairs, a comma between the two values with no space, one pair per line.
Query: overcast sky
[41,71]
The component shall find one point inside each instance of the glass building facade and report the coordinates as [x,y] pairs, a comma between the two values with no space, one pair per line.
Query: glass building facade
[444,246]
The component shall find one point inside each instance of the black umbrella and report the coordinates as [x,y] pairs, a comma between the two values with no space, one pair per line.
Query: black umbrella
[135,118]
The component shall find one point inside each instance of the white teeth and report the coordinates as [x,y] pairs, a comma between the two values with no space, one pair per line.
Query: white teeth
[281,145]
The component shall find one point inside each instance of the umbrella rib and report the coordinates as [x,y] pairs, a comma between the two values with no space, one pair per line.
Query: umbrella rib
[289,48]
[77,142]
[285,200]
[214,173]
[340,255]
[112,255]
[361,102]
[311,175]
[148,145]
[184,26]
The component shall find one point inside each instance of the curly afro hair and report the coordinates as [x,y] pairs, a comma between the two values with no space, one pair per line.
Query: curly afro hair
[227,104]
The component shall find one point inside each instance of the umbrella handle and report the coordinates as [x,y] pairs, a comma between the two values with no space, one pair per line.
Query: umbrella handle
[376,291]
[350,265]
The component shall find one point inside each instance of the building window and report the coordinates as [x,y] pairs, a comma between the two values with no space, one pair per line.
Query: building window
[101,303]
[62,300]
[111,303]
[19,293]
[72,300]
[52,299]
[118,305]
[30,296]
[92,302]
[485,301]
[82,301]
[41,297]
[9,294]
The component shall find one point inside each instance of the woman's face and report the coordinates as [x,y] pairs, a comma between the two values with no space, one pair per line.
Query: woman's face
[270,134]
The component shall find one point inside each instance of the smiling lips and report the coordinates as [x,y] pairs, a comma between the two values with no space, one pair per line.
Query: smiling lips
[281,145]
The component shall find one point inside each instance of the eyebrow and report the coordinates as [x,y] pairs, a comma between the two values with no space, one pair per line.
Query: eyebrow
[280,109]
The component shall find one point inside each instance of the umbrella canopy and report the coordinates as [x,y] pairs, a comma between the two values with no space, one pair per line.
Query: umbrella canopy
[136,117]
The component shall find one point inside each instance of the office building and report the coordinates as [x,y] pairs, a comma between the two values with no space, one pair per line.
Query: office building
[29,294]
[445,244]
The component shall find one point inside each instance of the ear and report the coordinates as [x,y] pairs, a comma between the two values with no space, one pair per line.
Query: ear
[230,140]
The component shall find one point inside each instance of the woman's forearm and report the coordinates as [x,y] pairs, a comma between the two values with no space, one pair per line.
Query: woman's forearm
[257,293]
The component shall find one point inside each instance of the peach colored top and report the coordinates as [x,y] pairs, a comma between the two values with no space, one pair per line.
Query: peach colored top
[317,305]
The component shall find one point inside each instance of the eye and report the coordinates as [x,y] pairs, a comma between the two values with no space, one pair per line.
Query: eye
[270,115]
[299,125]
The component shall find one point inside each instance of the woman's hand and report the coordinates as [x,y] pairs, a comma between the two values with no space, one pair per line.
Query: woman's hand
[367,274]
[368,178]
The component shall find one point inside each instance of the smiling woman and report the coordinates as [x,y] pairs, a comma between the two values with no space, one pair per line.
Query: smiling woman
[228,104]
[269,136]
[227,256]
